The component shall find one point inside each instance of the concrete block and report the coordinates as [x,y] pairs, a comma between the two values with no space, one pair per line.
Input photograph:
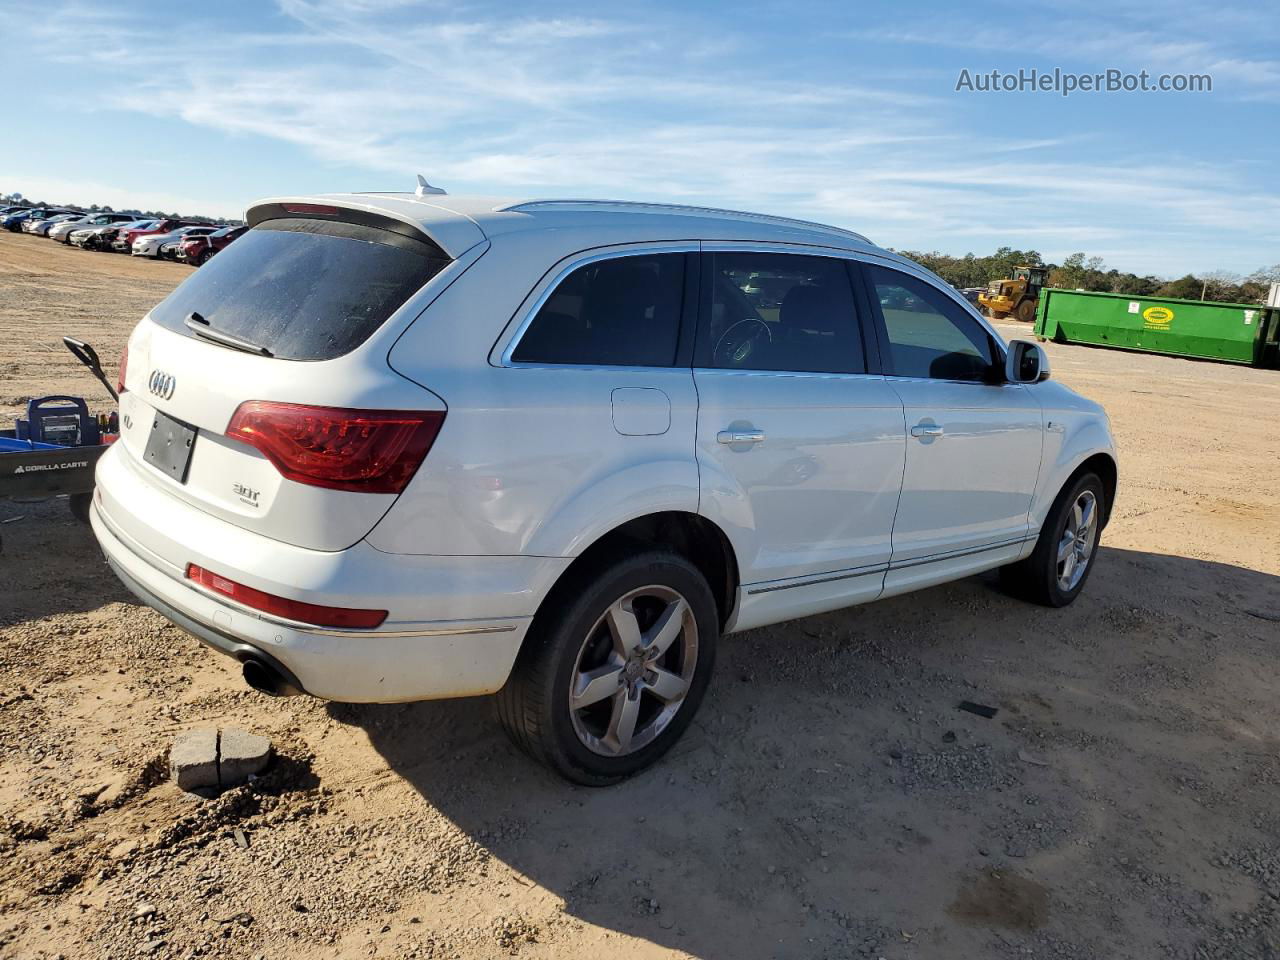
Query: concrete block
[240,754]
[193,759]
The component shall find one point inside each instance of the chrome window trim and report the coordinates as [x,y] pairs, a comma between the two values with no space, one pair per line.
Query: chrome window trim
[558,273]
[542,292]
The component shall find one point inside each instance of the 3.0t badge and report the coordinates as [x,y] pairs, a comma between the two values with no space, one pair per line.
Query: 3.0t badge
[162,384]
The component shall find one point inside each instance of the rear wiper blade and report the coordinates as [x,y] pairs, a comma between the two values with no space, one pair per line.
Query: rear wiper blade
[200,327]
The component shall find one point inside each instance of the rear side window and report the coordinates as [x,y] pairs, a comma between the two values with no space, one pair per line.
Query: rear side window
[780,311]
[623,311]
[930,335]
[304,289]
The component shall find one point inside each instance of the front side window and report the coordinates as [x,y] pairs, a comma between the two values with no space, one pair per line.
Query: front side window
[622,311]
[930,335]
[780,311]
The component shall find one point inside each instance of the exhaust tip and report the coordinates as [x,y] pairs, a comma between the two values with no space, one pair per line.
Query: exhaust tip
[265,678]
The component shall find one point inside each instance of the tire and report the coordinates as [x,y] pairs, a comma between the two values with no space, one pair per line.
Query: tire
[997,314]
[1027,311]
[574,644]
[80,504]
[1042,577]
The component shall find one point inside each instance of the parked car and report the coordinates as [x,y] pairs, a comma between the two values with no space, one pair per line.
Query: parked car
[41,228]
[14,222]
[16,208]
[379,450]
[63,231]
[196,250]
[151,244]
[101,238]
[32,223]
[124,240]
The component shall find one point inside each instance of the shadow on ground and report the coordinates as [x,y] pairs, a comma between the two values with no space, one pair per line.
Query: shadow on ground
[50,564]
[832,800]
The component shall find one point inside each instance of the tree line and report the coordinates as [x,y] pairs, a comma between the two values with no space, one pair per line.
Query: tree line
[1078,272]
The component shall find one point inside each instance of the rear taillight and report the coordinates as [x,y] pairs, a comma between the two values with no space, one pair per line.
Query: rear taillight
[124,368]
[313,613]
[368,451]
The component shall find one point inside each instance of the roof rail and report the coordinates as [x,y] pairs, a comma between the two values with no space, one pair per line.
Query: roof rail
[641,206]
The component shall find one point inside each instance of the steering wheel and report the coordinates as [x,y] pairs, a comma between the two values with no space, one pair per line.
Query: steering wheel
[737,343]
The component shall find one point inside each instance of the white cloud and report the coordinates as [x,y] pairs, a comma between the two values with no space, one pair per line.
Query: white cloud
[596,105]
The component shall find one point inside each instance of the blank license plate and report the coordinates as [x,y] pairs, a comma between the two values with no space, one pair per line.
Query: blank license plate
[169,446]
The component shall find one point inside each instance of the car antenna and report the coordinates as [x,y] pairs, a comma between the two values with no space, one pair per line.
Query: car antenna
[426,189]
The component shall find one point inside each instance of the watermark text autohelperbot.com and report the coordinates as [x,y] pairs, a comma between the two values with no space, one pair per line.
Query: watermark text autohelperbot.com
[1061,82]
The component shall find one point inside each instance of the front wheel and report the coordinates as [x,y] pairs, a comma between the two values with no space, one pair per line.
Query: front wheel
[614,668]
[1057,569]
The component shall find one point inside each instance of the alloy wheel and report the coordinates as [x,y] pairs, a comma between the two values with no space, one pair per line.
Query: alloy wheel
[1077,542]
[633,671]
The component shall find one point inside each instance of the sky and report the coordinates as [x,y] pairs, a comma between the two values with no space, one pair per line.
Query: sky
[842,112]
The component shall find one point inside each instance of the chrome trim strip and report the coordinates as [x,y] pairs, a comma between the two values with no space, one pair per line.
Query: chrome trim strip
[953,554]
[769,586]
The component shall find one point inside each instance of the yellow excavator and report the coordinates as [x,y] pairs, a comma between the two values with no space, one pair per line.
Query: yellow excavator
[1017,295]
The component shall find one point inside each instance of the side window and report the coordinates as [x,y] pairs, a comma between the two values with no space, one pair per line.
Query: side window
[624,311]
[930,336]
[779,311]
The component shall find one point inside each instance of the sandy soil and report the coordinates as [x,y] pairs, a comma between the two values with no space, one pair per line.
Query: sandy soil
[830,800]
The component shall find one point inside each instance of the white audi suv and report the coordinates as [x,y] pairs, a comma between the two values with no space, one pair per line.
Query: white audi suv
[392,447]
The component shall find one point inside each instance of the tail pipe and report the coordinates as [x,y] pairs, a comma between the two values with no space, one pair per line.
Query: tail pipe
[269,678]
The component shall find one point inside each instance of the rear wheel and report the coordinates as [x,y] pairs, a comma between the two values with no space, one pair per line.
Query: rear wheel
[614,668]
[1027,311]
[1057,569]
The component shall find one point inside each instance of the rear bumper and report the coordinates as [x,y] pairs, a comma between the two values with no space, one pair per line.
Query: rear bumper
[455,623]
[223,643]
[456,658]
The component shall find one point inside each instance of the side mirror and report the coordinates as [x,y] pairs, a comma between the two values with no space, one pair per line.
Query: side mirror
[1025,362]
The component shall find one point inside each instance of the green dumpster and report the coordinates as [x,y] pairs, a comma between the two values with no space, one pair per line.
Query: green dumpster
[1234,332]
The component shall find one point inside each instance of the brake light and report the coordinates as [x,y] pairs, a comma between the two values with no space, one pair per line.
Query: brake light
[368,451]
[312,613]
[316,209]
[124,367]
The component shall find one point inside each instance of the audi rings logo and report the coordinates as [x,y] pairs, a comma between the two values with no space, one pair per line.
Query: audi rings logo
[162,384]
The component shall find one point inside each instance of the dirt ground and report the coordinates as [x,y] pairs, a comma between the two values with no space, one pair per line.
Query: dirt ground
[830,801]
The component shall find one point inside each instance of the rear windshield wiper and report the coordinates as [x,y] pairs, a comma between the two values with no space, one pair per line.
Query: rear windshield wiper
[200,327]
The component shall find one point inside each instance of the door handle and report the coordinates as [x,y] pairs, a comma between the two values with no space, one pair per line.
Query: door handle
[926,430]
[740,436]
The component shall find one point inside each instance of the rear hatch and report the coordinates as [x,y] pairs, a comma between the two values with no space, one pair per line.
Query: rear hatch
[247,393]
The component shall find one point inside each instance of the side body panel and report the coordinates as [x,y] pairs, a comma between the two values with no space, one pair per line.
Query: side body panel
[1076,429]
[536,459]
[969,480]
[813,501]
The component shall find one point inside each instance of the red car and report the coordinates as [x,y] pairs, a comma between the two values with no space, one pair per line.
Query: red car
[123,242]
[197,250]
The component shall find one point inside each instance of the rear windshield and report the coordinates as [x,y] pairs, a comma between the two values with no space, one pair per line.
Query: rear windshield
[304,289]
